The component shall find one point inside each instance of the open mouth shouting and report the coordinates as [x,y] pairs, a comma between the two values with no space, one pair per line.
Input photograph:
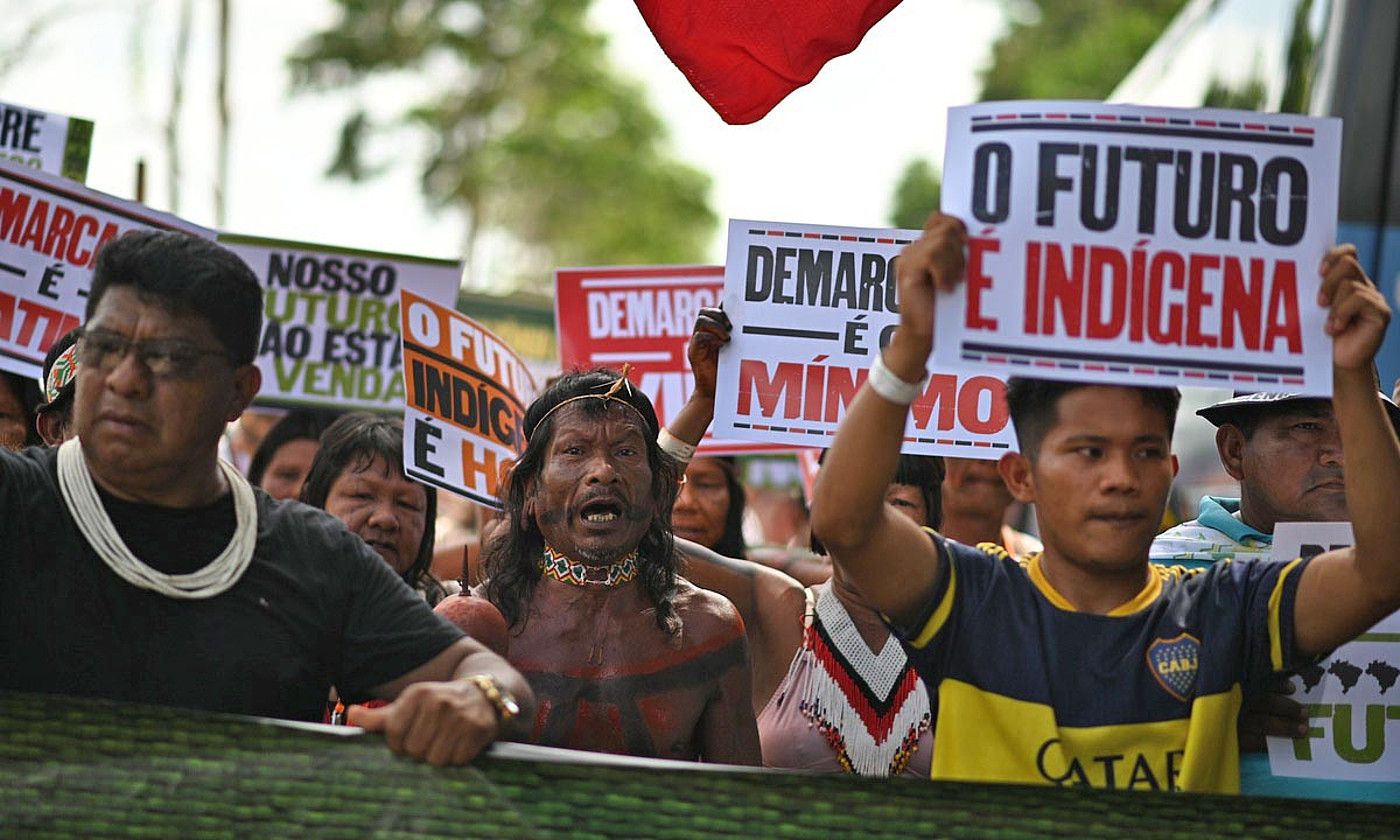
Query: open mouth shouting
[601,512]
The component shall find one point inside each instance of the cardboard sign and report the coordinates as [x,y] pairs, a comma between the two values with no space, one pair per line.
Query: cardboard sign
[331,320]
[811,306]
[642,316]
[1141,246]
[50,143]
[50,230]
[466,397]
[1353,696]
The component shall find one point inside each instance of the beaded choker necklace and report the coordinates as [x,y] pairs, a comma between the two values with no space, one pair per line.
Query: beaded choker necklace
[564,570]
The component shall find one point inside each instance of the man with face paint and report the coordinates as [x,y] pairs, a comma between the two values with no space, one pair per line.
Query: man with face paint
[623,654]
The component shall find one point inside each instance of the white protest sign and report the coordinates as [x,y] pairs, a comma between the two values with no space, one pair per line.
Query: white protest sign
[51,143]
[50,230]
[811,306]
[1141,246]
[467,392]
[331,320]
[1352,696]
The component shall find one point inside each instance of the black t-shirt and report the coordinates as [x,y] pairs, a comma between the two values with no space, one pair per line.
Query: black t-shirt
[315,608]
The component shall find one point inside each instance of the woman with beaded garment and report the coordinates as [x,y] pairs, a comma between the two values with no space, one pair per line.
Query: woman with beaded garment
[831,689]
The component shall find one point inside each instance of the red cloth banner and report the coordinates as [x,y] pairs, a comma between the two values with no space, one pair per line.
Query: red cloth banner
[744,57]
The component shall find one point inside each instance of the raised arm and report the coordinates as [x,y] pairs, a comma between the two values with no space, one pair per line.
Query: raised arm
[1342,593]
[885,555]
[712,329]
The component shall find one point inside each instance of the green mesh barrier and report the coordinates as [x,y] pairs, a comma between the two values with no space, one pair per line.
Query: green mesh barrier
[83,768]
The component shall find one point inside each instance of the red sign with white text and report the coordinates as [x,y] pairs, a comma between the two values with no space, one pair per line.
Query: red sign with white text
[643,316]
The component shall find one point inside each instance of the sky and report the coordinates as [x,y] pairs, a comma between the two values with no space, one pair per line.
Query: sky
[830,153]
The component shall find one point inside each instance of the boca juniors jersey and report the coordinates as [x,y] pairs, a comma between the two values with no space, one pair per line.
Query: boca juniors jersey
[1028,690]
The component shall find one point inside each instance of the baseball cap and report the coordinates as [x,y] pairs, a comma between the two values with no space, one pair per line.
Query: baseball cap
[1220,413]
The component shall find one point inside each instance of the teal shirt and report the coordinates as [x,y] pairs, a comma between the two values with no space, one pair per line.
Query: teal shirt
[1216,534]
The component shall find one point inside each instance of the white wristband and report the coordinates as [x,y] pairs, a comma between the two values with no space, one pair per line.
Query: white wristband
[884,382]
[674,446]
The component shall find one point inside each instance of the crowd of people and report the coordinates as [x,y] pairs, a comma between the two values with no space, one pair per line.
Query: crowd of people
[614,606]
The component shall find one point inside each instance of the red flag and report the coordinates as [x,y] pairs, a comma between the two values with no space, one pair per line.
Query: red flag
[744,56]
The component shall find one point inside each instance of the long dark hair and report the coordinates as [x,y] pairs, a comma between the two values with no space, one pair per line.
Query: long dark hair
[352,443]
[512,557]
[297,424]
[731,543]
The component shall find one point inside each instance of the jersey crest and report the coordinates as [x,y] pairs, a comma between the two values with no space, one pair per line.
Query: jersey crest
[1173,663]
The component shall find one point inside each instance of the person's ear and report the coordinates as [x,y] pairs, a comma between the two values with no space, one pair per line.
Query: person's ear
[1015,470]
[1230,443]
[1176,465]
[247,381]
[50,425]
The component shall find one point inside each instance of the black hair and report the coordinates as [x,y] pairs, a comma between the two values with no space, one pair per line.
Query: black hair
[512,558]
[924,472]
[62,403]
[26,390]
[1034,405]
[297,424]
[351,443]
[731,542]
[186,274]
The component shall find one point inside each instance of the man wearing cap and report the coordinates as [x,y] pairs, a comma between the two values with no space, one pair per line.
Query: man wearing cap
[1286,453]
[55,415]
[623,655]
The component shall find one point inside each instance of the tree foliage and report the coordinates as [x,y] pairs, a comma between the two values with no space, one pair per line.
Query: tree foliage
[916,195]
[1072,49]
[532,132]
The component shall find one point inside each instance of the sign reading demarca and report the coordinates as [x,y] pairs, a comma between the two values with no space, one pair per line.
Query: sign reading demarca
[47,142]
[50,230]
[642,316]
[811,305]
[1352,696]
[331,320]
[467,392]
[1141,246]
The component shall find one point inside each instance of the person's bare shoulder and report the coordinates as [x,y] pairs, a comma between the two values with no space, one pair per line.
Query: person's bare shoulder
[708,617]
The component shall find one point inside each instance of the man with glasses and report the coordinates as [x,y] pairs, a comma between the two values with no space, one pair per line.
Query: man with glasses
[135,565]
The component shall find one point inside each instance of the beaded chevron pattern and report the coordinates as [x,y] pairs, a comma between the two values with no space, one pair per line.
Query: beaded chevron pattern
[564,570]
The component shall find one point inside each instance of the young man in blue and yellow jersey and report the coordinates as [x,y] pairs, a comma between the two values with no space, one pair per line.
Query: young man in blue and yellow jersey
[1086,664]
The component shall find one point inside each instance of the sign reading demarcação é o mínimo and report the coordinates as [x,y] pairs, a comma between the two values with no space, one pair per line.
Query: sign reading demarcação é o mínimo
[1352,696]
[467,391]
[642,316]
[811,306]
[331,320]
[51,143]
[1142,246]
[50,230]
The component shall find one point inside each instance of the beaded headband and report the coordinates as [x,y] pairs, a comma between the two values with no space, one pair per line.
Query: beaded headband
[611,395]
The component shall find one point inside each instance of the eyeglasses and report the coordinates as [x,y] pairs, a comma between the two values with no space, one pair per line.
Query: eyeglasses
[165,358]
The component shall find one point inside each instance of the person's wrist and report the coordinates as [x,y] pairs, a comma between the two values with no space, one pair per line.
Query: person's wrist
[906,355]
[496,694]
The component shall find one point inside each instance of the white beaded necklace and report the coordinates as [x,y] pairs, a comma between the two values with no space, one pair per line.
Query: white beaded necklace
[79,492]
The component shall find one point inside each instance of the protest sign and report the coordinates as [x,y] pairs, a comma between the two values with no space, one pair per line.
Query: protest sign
[1141,246]
[466,397]
[50,230]
[1351,696]
[331,320]
[811,307]
[642,316]
[50,143]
